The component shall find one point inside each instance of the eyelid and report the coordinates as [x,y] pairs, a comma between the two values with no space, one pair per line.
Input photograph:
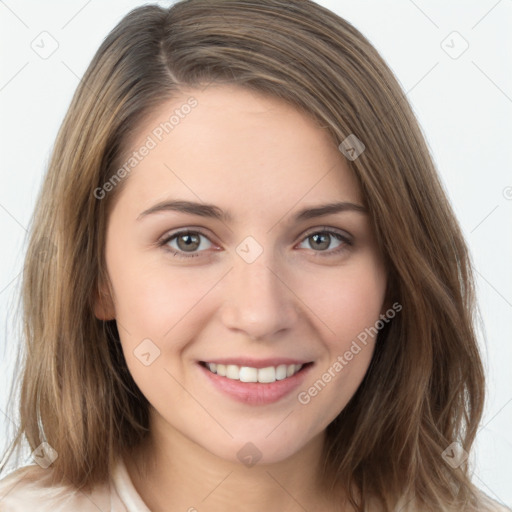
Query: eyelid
[329,229]
[187,229]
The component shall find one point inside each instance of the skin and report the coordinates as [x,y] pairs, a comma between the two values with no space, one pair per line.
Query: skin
[294,300]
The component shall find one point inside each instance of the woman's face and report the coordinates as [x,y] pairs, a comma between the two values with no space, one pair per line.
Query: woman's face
[219,251]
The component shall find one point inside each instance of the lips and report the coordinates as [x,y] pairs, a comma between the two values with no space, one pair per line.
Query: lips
[270,385]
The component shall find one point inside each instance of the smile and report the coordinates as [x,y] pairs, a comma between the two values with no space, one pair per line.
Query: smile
[249,374]
[255,382]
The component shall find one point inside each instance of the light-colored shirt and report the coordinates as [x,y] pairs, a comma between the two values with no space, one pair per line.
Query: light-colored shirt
[28,489]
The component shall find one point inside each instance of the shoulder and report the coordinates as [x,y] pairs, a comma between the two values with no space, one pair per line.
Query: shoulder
[29,488]
[490,505]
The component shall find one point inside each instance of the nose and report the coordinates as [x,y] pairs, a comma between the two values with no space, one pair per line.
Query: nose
[258,302]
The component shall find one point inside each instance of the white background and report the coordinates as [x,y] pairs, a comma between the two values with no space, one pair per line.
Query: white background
[464,106]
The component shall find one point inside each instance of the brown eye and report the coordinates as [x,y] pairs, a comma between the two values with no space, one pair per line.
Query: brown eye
[330,242]
[187,242]
[320,241]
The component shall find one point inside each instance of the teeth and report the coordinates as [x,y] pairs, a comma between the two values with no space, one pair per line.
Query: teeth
[282,371]
[248,374]
[232,372]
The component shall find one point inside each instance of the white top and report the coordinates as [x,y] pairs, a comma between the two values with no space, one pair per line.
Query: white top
[28,489]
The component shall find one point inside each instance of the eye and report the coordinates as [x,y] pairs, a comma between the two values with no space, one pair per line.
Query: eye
[327,241]
[187,241]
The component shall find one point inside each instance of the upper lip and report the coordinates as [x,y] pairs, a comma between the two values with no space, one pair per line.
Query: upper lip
[256,363]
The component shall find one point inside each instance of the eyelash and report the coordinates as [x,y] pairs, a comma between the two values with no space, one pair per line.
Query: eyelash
[347,243]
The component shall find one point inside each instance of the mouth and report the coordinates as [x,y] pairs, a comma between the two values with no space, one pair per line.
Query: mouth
[257,385]
[265,375]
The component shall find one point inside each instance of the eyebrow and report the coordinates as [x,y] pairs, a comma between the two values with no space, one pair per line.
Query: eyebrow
[210,210]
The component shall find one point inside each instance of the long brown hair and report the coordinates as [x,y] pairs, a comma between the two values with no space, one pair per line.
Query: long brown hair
[424,389]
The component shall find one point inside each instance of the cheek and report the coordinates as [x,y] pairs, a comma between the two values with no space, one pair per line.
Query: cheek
[347,300]
[152,295]
[159,309]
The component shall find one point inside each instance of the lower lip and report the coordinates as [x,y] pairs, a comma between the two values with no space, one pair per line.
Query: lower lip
[256,393]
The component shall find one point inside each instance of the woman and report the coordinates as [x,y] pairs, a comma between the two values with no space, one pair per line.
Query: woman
[254,294]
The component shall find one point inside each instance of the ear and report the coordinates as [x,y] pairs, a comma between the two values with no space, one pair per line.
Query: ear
[103,302]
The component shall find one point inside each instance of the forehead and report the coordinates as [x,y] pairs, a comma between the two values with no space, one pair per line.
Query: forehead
[236,148]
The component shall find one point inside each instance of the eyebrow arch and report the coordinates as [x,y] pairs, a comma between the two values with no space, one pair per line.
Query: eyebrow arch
[210,210]
[201,209]
[318,211]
